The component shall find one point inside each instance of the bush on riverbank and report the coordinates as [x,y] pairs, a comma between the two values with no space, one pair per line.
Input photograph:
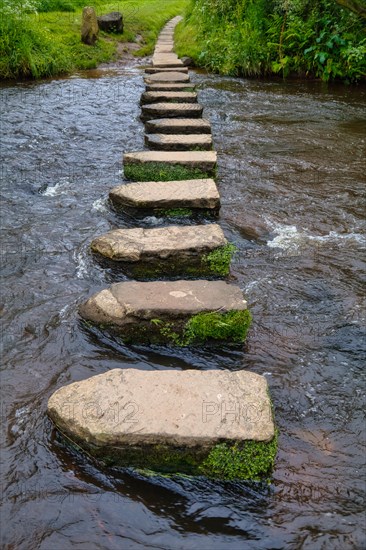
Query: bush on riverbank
[36,41]
[287,37]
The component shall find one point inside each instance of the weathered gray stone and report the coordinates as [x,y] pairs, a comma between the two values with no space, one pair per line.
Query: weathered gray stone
[192,194]
[175,242]
[89,26]
[171,110]
[187,61]
[169,87]
[203,160]
[113,414]
[111,22]
[178,126]
[154,70]
[139,311]
[180,142]
[166,61]
[171,76]
[177,97]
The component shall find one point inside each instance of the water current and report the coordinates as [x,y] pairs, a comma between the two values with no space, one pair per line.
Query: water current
[292,181]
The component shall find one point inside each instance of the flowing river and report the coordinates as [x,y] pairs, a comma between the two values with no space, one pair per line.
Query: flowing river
[291,177]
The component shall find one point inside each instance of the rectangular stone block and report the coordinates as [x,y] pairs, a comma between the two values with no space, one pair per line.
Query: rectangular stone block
[177,313]
[215,423]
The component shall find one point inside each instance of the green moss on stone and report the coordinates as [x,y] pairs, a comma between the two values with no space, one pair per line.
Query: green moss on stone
[249,460]
[175,212]
[219,260]
[159,171]
[232,326]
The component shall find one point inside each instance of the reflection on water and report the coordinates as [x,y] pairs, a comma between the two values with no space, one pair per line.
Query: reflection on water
[292,182]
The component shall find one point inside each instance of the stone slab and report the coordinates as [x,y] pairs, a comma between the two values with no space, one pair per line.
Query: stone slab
[129,306]
[171,110]
[173,76]
[193,194]
[191,409]
[179,142]
[204,160]
[178,126]
[177,97]
[176,242]
[170,87]
[154,70]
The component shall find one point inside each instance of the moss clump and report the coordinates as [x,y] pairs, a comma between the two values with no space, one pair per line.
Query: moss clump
[175,212]
[249,460]
[233,326]
[159,171]
[219,260]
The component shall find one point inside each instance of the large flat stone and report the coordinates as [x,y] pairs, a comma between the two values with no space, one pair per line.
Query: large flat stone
[166,60]
[203,160]
[127,416]
[178,126]
[162,311]
[171,110]
[170,76]
[154,70]
[192,194]
[180,142]
[170,87]
[175,250]
[177,97]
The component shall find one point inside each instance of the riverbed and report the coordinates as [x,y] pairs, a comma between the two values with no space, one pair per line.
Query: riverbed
[292,180]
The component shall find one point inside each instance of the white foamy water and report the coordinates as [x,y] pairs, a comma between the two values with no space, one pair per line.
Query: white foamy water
[59,189]
[81,265]
[100,205]
[291,240]
[152,220]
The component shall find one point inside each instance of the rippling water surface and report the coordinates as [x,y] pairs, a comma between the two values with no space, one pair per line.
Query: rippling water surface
[292,177]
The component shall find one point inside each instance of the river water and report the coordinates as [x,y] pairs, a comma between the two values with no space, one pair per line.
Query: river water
[291,176]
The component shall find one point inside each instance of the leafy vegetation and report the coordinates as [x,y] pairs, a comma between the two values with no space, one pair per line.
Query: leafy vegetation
[40,38]
[321,38]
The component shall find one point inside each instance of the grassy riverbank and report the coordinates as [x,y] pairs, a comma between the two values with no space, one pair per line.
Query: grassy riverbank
[40,38]
[304,38]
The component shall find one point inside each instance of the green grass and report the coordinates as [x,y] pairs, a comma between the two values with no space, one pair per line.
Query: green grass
[219,260]
[37,45]
[156,171]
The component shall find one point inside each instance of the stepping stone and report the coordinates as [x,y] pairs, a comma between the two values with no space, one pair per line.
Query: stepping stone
[177,97]
[168,47]
[174,250]
[202,160]
[170,87]
[154,70]
[200,194]
[180,142]
[171,421]
[173,76]
[178,126]
[170,312]
[171,110]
